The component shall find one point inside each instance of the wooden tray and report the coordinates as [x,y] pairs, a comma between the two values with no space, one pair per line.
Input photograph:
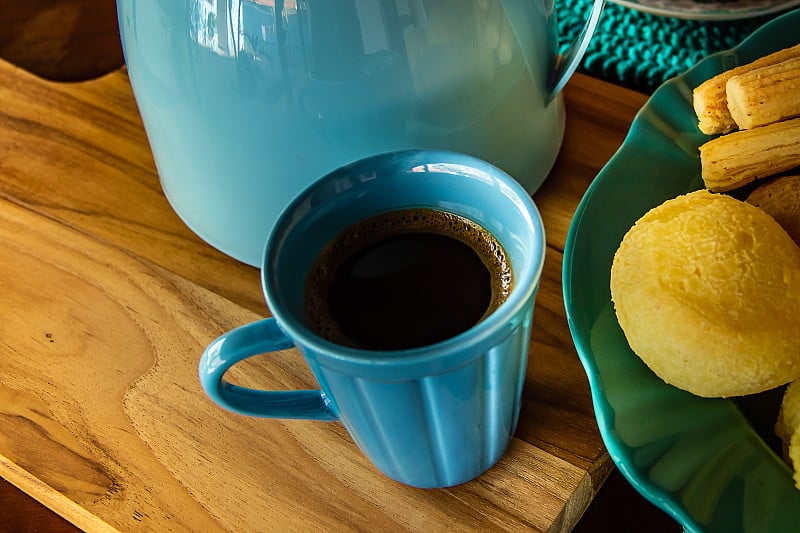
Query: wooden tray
[107,301]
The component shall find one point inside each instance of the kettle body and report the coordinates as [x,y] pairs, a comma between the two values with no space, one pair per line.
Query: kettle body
[246,102]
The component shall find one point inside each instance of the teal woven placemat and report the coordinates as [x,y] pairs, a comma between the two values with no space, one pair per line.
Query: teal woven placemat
[640,50]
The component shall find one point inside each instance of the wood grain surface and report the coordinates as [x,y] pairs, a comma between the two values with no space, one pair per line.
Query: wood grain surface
[107,300]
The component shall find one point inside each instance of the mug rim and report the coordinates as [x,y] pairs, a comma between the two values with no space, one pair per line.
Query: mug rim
[462,347]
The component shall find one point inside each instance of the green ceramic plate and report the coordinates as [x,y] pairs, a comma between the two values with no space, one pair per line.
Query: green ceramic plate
[704,461]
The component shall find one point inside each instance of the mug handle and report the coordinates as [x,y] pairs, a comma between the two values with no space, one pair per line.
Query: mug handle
[246,341]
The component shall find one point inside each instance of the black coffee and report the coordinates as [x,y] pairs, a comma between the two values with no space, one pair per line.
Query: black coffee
[405,279]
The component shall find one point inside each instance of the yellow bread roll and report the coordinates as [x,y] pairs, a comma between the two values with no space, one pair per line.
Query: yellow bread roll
[780,199]
[706,289]
[788,427]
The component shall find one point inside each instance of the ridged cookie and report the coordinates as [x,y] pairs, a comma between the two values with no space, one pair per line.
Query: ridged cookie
[709,99]
[733,160]
[765,95]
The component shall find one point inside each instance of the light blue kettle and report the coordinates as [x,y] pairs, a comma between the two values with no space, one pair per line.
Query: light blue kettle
[246,102]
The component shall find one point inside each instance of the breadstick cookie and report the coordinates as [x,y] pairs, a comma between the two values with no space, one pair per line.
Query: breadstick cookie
[765,95]
[736,159]
[710,99]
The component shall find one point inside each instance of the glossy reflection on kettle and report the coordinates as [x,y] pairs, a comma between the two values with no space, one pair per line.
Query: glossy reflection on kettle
[246,102]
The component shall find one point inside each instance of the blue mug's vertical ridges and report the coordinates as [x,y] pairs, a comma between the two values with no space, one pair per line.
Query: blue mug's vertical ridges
[392,438]
[491,422]
[463,419]
[454,406]
[363,420]
[497,416]
[524,339]
[466,417]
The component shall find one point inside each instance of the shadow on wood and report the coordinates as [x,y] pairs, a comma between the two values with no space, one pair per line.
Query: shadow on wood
[64,40]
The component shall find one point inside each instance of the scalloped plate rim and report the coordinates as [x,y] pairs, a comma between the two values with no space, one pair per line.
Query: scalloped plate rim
[654,494]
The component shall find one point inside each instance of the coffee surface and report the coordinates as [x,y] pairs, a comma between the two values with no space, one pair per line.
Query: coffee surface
[406,279]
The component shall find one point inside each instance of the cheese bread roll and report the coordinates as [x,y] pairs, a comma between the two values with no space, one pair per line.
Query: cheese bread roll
[780,199]
[788,427]
[706,289]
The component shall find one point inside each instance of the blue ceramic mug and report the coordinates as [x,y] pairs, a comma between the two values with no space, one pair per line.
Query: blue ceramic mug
[432,416]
